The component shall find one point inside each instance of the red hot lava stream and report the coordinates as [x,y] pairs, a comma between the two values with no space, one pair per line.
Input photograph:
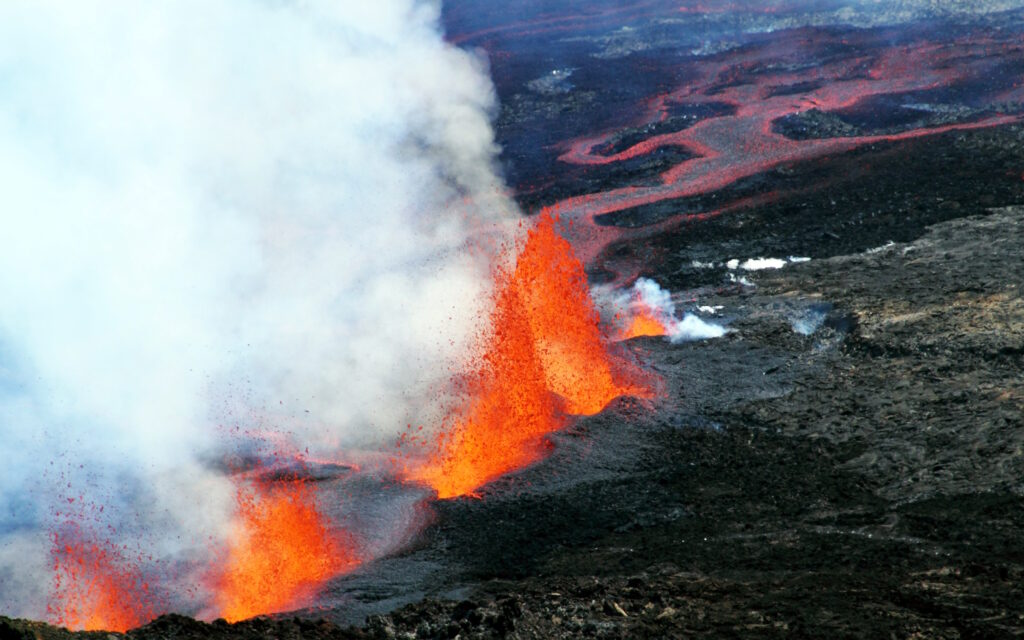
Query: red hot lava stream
[745,143]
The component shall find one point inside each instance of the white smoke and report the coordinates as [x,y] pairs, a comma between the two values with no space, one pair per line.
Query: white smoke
[646,296]
[219,216]
[693,327]
[648,293]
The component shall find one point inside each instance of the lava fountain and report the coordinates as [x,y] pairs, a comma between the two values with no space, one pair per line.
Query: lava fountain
[643,323]
[546,356]
[94,586]
[280,549]
[551,287]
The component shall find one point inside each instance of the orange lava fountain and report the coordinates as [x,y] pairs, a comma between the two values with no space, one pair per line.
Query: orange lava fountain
[279,551]
[500,429]
[643,323]
[546,355]
[93,588]
[552,289]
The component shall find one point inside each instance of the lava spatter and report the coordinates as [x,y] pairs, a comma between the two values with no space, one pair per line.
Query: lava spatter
[500,426]
[95,585]
[552,287]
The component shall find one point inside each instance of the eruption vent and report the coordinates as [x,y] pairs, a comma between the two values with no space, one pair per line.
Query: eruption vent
[280,550]
[545,355]
[222,219]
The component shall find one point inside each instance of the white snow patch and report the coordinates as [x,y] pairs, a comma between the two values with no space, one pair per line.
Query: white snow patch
[759,264]
[741,280]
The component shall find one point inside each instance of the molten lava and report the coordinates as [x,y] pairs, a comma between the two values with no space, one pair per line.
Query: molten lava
[546,355]
[280,550]
[94,588]
[552,288]
[643,323]
[500,429]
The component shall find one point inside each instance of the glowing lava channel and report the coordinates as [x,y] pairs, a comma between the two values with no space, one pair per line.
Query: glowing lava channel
[546,356]
[279,551]
[732,147]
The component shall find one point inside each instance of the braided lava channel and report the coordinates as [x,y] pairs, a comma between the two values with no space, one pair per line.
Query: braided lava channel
[753,138]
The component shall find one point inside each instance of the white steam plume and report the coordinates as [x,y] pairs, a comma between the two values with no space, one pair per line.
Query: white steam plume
[245,213]
[649,294]
[648,298]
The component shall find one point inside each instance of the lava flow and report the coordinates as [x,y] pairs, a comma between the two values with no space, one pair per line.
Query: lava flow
[546,356]
[94,588]
[752,138]
[697,108]
[280,549]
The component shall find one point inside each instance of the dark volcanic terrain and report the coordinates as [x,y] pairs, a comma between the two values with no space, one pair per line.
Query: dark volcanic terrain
[861,481]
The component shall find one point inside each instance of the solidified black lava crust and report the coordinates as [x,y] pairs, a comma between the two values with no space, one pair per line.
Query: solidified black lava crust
[845,204]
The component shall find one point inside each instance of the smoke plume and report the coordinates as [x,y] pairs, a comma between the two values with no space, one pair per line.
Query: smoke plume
[218,219]
[646,299]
